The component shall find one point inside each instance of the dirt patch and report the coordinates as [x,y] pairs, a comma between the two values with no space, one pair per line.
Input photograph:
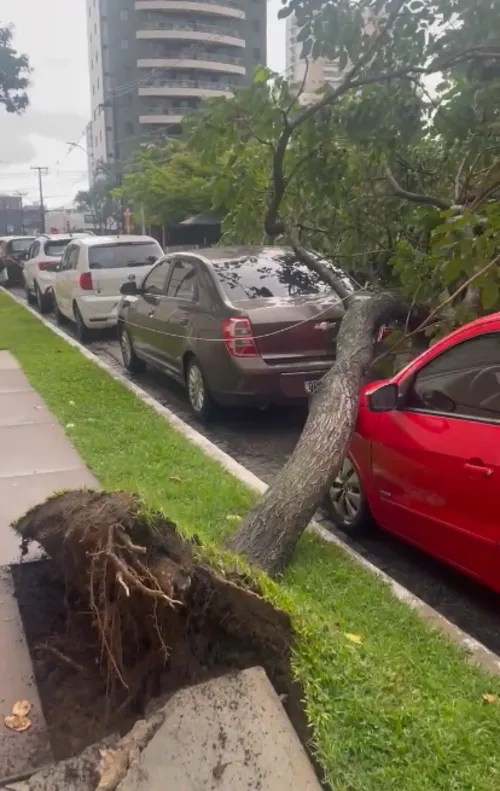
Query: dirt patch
[125,612]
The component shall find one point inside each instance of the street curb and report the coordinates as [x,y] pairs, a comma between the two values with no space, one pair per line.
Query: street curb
[478,653]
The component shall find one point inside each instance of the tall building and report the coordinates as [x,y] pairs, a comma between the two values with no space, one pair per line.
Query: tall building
[320,72]
[152,61]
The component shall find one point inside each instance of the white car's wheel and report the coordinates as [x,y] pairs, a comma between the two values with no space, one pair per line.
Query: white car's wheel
[83,333]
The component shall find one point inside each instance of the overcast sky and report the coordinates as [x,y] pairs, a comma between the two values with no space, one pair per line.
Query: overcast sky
[53,33]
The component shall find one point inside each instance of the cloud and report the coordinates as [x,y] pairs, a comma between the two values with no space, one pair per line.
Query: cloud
[16,147]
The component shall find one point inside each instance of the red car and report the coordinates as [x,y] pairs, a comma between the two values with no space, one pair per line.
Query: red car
[424,462]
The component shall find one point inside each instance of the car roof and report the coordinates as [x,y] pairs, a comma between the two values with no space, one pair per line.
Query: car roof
[93,241]
[13,238]
[54,237]
[221,254]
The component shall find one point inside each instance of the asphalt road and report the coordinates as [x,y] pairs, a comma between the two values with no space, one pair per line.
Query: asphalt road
[262,441]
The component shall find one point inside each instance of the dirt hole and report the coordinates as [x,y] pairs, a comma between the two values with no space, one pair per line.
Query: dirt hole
[106,642]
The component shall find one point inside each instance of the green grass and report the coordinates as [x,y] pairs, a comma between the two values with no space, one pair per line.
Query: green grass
[401,710]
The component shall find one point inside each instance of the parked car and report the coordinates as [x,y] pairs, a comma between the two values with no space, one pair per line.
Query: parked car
[424,461]
[238,326]
[13,253]
[92,271]
[41,266]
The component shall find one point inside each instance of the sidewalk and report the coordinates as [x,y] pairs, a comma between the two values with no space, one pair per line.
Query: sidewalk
[36,459]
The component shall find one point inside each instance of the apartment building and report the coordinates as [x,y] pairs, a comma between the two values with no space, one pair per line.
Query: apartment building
[320,72]
[153,61]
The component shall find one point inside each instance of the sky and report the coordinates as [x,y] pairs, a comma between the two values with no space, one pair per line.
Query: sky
[53,33]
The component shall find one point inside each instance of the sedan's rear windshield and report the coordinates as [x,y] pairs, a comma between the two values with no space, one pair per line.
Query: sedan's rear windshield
[20,245]
[55,249]
[123,254]
[273,275]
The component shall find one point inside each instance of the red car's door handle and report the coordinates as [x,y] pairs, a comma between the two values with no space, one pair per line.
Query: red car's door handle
[478,467]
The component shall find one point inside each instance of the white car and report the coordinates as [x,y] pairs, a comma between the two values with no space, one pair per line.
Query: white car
[92,271]
[41,266]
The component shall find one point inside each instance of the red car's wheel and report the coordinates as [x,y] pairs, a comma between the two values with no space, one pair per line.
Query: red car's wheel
[346,503]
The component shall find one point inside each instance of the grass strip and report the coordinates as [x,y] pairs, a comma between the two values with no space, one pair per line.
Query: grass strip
[393,704]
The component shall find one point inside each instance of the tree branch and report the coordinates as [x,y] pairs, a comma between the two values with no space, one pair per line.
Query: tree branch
[273,226]
[414,197]
[313,262]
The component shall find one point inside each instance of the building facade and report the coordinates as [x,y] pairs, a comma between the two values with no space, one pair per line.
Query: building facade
[11,215]
[320,72]
[153,61]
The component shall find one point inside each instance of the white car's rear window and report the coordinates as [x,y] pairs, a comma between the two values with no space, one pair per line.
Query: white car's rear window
[123,255]
[56,248]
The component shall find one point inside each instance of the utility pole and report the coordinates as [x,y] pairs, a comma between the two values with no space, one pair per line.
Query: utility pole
[41,172]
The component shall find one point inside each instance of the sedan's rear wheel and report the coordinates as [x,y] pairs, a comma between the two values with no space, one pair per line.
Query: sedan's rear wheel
[346,502]
[200,400]
[130,359]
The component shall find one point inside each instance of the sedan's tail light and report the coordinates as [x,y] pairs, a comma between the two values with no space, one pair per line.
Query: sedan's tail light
[238,337]
[85,281]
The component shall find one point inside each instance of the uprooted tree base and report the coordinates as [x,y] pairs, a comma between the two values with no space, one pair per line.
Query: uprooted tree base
[163,617]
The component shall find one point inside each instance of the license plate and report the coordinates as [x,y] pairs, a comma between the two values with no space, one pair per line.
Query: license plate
[311,386]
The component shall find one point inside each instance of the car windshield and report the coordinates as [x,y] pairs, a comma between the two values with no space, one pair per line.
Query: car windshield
[273,274]
[55,248]
[123,254]
[21,245]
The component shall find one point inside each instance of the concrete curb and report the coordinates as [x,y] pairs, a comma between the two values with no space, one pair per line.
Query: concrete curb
[477,652]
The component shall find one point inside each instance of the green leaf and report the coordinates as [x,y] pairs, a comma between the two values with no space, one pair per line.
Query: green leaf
[489,295]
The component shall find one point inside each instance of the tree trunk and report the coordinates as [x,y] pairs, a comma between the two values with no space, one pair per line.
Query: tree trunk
[270,533]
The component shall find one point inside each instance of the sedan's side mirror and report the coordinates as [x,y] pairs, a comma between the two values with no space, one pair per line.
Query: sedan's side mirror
[384,398]
[129,288]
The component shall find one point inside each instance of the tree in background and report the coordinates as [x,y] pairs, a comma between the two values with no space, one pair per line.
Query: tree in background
[14,74]
[99,200]
[168,183]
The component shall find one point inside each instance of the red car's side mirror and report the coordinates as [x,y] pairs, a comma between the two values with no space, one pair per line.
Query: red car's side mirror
[384,398]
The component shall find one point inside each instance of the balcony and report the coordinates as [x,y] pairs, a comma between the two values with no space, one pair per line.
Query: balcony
[201,62]
[200,89]
[212,34]
[169,119]
[225,8]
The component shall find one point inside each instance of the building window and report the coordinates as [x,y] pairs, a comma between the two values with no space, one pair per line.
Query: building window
[124,15]
[124,44]
[256,53]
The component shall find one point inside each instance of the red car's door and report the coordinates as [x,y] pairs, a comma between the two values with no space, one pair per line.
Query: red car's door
[436,461]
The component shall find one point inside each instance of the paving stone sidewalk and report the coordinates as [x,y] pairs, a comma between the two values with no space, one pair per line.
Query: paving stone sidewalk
[36,460]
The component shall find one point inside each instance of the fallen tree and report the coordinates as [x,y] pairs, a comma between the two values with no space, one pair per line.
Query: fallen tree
[268,536]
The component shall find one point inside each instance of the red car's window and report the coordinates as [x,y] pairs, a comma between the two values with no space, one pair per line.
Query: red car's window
[463,381]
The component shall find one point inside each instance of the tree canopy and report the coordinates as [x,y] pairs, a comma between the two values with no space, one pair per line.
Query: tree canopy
[14,74]
[394,172]
[168,182]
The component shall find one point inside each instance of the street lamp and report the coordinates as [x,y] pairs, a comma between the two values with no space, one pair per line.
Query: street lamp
[104,167]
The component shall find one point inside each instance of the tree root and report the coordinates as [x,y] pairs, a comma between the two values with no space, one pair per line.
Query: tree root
[153,601]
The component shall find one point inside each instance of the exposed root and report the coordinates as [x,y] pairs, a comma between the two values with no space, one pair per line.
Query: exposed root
[149,595]
[50,649]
